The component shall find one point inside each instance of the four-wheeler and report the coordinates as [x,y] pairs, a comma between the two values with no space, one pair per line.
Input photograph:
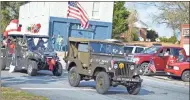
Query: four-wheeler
[103,61]
[159,54]
[28,56]
[179,69]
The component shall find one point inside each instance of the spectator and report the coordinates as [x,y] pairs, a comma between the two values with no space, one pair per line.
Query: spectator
[181,57]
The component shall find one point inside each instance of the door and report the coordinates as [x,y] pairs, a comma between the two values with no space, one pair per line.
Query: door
[159,60]
[83,56]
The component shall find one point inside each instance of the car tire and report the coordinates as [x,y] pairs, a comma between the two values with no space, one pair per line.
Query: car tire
[31,70]
[185,76]
[102,82]
[134,89]
[144,67]
[74,77]
[57,71]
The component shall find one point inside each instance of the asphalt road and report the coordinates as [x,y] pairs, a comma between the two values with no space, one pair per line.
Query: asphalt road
[58,88]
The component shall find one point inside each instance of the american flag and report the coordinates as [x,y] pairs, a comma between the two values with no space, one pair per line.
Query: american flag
[75,10]
[151,66]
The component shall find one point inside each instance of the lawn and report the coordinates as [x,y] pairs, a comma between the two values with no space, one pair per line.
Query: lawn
[11,94]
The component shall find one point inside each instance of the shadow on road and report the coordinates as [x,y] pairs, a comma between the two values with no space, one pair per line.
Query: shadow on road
[114,90]
[41,78]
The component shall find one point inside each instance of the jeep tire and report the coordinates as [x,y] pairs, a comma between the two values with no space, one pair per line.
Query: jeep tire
[134,89]
[32,68]
[185,76]
[74,77]
[57,71]
[102,82]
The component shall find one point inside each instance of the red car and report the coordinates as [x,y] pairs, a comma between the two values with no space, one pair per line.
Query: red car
[157,54]
[179,69]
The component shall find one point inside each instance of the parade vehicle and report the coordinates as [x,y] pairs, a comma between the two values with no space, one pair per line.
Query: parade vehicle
[26,55]
[102,61]
[159,54]
[179,69]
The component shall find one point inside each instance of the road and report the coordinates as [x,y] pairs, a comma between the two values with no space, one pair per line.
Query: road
[58,88]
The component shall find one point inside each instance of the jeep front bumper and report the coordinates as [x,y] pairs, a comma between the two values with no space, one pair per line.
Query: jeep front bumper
[122,79]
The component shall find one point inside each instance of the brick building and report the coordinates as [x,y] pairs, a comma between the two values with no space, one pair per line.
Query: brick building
[185,37]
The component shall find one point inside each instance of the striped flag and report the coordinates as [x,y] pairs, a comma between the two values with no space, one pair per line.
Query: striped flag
[75,10]
[151,66]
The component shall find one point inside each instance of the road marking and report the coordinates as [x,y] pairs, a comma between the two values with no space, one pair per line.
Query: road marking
[57,89]
[71,89]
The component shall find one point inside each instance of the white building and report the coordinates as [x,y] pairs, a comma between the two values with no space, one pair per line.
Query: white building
[54,22]
[40,12]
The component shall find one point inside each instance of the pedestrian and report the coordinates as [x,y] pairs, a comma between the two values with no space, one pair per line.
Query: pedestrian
[61,42]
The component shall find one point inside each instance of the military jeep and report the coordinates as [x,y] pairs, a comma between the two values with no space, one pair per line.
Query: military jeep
[28,56]
[102,61]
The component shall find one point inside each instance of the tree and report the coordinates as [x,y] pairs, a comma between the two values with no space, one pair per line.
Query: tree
[152,35]
[172,39]
[173,14]
[9,11]
[132,32]
[120,15]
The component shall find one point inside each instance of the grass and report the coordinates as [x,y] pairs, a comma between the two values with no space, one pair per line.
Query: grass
[11,94]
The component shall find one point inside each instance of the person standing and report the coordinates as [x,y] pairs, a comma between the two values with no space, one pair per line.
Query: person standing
[61,42]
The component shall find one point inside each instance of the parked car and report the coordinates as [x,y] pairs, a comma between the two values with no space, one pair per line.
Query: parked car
[157,54]
[102,61]
[28,56]
[133,49]
[179,69]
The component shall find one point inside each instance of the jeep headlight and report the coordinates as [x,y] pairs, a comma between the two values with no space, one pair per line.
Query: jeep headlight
[176,68]
[115,66]
[132,67]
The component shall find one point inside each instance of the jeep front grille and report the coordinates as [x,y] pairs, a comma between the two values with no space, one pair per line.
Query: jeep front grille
[125,71]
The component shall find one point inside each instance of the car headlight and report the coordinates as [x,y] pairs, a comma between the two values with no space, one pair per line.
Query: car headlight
[176,68]
[136,59]
[115,66]
[132,67]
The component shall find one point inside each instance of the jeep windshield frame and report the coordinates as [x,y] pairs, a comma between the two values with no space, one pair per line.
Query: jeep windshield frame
[106,48]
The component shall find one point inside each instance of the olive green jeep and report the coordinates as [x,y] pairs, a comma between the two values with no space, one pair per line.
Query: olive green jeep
[102,61]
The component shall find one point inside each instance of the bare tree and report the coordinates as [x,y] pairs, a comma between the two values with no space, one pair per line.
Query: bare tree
[173,14]
[131,20]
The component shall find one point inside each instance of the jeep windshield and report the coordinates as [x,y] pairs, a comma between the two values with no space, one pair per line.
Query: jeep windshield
[35,43]
[107,48]
[151,50]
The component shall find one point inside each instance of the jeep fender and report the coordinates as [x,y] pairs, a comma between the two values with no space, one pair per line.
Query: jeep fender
[73,63]
[98,69]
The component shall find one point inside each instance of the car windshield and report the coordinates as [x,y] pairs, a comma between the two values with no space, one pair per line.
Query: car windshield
[151,50]
[106,48]
[128,49]
[36,43]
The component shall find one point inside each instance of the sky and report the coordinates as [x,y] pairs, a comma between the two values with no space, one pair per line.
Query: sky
[145,13]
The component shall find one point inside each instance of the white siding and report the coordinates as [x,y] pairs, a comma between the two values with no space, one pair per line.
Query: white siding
[39,12]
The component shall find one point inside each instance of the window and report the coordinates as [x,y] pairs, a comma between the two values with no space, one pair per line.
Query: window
[83,47]
[151,50]
[138,50]
[128,49]
[175,51]
[95,10]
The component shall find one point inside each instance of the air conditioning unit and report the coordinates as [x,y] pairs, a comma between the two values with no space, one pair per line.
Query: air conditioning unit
[186,32]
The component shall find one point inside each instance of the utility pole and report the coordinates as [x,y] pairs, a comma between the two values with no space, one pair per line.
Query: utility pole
[0,56]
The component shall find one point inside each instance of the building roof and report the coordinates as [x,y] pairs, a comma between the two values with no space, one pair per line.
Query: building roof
[92,40]
[140,24]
